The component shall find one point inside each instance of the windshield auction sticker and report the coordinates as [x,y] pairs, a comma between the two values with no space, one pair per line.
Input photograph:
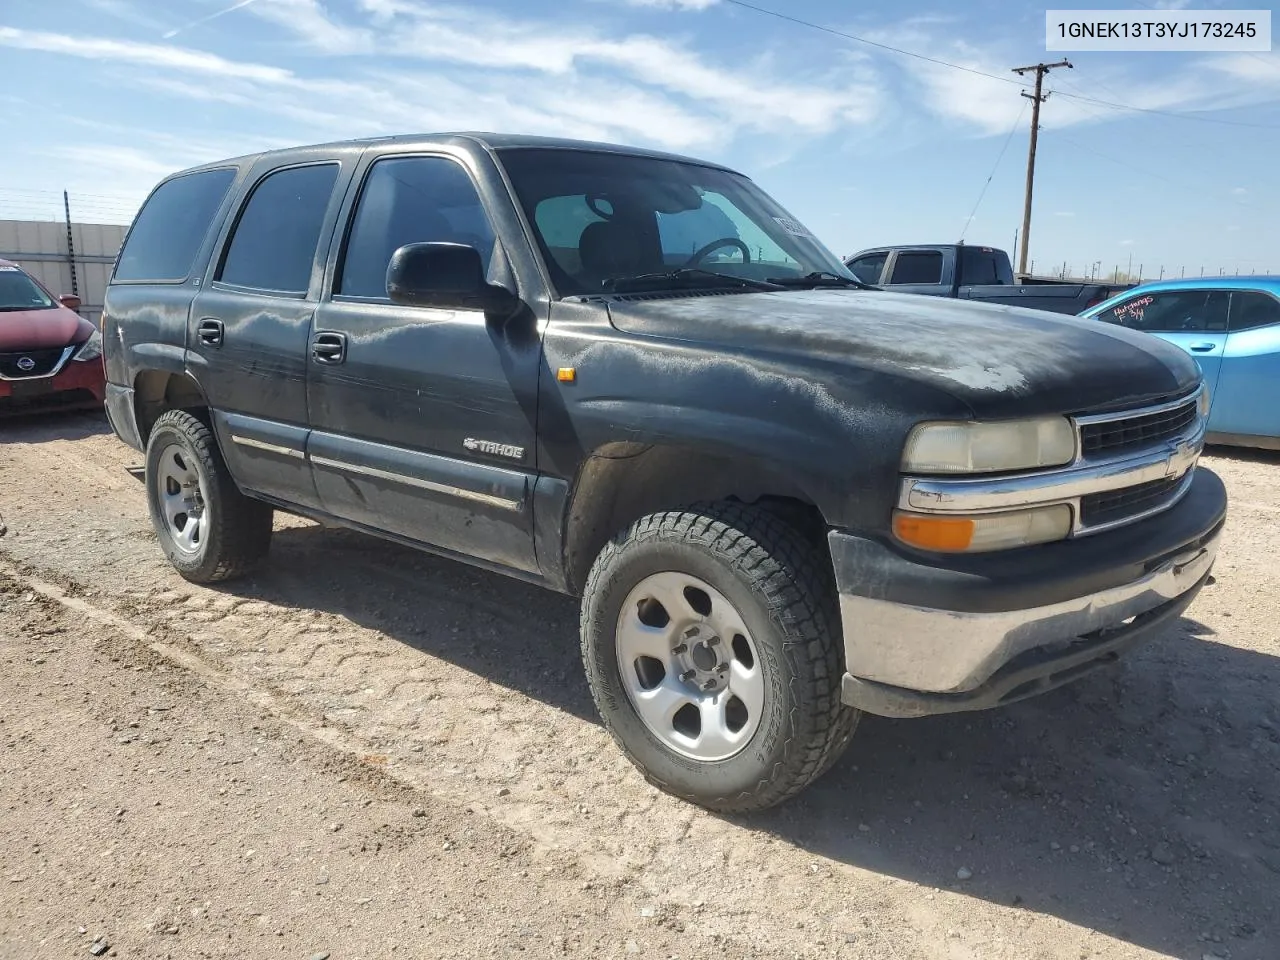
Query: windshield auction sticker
[1206,31]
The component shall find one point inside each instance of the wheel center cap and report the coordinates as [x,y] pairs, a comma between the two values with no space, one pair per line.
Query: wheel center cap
[704,657]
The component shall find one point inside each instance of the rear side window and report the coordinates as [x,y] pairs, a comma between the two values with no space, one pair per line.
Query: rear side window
[868,268]
[1249,310]
[274,243]
[1175,311]
[917,267]
[167,232]
[983,266]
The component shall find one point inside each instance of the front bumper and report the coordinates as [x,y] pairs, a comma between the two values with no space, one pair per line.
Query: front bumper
[76,386]
[926,635]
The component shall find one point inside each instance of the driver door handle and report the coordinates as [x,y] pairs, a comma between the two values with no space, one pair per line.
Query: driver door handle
[1202,347]
[329,348]
[210,331]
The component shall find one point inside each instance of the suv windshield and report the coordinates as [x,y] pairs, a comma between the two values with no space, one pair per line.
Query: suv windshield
[20,292]
[603,219]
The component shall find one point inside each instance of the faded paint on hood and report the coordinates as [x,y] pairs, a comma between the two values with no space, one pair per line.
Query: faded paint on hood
[1001,361]
[42,329]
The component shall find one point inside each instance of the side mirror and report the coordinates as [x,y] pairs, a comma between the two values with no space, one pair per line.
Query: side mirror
[448,276]
[70,301]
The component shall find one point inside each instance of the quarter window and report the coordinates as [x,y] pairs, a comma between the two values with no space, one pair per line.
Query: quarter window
[274,243]
[1174,311]
[980,266]
[410,200]
[1249,310]
[168,231]
[868,268]
[917,267]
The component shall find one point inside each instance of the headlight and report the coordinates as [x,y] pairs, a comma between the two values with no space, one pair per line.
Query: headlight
[989,447]
[91,349]
[982,532]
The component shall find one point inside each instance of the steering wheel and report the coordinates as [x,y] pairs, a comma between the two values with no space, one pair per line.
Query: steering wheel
[702,252]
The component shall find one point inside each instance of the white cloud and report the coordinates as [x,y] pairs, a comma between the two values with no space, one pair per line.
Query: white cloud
[752,97]
[1253,68]
[309,21]
[988,105]
[675,4]
[1239,191]
[129,12]
[142,54]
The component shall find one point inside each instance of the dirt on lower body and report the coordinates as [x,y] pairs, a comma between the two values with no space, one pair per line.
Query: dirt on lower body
[370,752]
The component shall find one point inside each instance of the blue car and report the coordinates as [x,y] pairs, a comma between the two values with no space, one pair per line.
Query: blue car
[1231,326]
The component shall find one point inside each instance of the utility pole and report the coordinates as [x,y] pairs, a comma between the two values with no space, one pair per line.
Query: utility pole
[1040,69]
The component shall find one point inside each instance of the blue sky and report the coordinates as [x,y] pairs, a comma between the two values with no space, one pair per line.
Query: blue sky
[103,97]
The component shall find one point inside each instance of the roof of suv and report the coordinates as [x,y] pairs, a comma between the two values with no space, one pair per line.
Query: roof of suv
[488,141]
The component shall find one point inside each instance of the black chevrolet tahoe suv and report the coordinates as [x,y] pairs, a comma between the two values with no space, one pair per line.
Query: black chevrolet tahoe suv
[784,498]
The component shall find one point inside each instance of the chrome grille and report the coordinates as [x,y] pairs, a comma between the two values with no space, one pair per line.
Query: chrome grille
[1130,465]
[1108,438]
[1129,503]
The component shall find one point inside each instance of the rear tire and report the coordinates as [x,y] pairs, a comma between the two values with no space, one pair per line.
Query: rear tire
[711,640]
[208,529]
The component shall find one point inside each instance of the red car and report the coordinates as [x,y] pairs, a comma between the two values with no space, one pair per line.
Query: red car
[50,356]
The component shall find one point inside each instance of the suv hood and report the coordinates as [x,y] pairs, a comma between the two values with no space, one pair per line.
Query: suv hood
[42,329]
[1000,361]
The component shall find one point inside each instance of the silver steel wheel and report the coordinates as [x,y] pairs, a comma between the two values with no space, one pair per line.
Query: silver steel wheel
[180,491]
[689,666]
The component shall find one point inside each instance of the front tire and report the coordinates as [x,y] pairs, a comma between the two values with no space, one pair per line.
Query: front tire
[711,640]
[208,529]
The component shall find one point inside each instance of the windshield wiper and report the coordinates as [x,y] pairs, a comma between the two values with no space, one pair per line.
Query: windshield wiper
[683,276]
[821,278]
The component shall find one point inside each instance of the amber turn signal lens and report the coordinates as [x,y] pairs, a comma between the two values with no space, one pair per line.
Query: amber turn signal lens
[567,374]
[984,531]
[946,534]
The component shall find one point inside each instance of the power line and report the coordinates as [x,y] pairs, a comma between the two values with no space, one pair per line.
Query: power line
[1012,130]
[1057,135]
[991,76]
[870,43]
[1168,113]
[58,194]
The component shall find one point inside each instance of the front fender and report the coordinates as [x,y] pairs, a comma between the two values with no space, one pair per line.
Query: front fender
[832,431]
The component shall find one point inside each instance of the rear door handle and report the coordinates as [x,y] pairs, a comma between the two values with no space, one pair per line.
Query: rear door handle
[1202,347]
[210,331]
[329,348]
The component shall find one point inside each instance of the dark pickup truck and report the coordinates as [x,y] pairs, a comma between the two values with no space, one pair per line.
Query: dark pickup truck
[783,498]
[971,273]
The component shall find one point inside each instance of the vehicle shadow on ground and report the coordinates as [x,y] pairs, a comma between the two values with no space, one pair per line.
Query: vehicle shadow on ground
[52,425]
[1141,802]
[1243,454]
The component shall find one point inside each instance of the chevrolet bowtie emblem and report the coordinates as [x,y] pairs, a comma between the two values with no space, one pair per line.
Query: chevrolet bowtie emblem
[1182,454]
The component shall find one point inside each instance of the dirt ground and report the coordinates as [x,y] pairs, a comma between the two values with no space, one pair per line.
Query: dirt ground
[368,752]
